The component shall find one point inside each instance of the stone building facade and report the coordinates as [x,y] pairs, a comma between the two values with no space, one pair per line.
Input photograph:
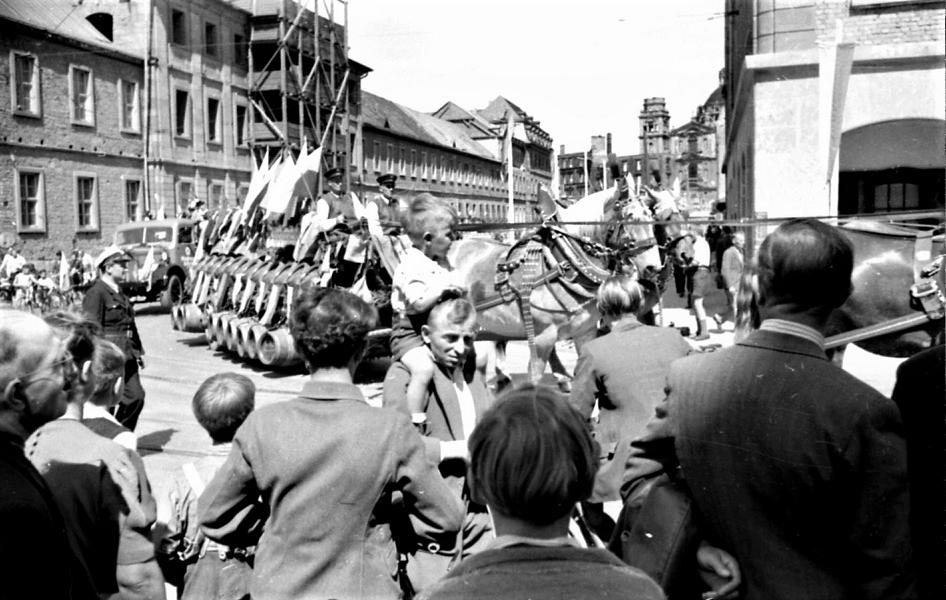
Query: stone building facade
[70,136]
[891,147]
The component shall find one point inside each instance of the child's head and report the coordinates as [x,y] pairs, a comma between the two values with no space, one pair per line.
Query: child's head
[531,457]
[222,403]
[429,223]
[108,372]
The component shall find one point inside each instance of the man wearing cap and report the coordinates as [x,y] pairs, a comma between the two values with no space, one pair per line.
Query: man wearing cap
[335,209]
[383,210]
[105,304]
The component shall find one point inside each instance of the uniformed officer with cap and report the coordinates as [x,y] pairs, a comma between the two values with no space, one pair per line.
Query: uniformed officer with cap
[105,304]
[383,210]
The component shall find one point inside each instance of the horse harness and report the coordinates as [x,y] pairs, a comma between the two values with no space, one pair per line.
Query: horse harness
[531,264]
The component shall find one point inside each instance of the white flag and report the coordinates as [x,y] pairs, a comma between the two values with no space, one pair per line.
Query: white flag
[281,188]
[63,272]
[148,267]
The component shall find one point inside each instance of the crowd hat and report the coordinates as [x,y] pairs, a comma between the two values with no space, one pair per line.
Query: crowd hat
[334,173]
[111,254]
[387,179]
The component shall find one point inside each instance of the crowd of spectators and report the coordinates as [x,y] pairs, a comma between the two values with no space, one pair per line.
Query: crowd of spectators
[757,471]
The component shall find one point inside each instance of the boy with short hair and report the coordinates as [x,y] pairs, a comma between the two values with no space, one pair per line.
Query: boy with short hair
[422,279]
[108,370]
[199,567]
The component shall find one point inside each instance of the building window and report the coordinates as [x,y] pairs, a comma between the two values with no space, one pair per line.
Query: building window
[133,210]
[239,50]
[389,158]
[87,213]
[80,95]
[400,160]
[185,192]
[182,114]
[240,124]
[30,201]
[25,84]
[178,27]
[210,39]
[128,100]
[413,163]
[423,164]
[376,157]
[215,197]
[213,121]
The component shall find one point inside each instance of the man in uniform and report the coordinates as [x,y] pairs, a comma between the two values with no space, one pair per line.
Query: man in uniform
[383,210]
[333,210]
[106,305]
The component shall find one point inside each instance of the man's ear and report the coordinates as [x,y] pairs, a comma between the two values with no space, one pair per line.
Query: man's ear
[85,372]
[425,333]
[13,395]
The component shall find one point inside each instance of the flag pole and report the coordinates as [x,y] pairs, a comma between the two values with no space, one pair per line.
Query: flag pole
[510,216]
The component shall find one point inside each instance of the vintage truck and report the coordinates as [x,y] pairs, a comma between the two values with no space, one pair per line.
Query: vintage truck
[174,242]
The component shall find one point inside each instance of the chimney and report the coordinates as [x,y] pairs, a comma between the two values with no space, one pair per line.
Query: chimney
[561,149]
[609,143]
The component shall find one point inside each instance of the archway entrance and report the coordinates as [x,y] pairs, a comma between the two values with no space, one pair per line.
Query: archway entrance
[892,166]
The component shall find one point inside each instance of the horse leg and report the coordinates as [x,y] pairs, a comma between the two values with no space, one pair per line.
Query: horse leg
[544,348]
[562,377]
[499,366]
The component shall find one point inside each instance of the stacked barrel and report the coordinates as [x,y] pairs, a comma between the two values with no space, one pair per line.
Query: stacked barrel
[241,304]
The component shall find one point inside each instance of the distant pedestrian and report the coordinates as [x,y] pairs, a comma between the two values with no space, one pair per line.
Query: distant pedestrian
[731,271]
[199,567]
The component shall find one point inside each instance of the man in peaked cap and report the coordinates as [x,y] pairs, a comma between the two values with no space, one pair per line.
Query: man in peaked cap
[336,218]
[105,304]
[383,209]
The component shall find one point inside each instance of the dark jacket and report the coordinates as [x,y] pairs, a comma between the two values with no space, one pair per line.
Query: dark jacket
[919,394]
[115,313]
[316,475]
[795,467]
[526,572]
[36,560]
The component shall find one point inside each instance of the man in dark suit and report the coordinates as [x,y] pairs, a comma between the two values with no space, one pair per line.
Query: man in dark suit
[794,466]
[457,398]
[919,394]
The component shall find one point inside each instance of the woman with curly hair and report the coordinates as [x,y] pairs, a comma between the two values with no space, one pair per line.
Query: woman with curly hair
[313,478]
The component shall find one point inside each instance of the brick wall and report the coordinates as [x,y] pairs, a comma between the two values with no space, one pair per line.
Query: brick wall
[882,24]
[58,148]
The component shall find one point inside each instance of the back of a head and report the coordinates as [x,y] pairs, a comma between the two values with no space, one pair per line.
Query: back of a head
[807,264]
[330,326]
[531,457]
[423,211]
[221,404]
[108,365]
[79,332]
[619,295]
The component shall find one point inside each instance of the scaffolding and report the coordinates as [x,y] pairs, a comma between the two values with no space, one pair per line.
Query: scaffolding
[304,90]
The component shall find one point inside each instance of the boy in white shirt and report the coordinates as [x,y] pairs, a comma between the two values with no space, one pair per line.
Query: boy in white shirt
[422,279]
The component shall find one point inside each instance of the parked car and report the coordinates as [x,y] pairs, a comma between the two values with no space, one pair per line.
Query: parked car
[174,242]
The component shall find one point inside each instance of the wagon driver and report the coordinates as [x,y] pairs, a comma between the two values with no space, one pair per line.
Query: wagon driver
[106,305]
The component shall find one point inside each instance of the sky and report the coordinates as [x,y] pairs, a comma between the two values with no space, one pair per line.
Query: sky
[580,68]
